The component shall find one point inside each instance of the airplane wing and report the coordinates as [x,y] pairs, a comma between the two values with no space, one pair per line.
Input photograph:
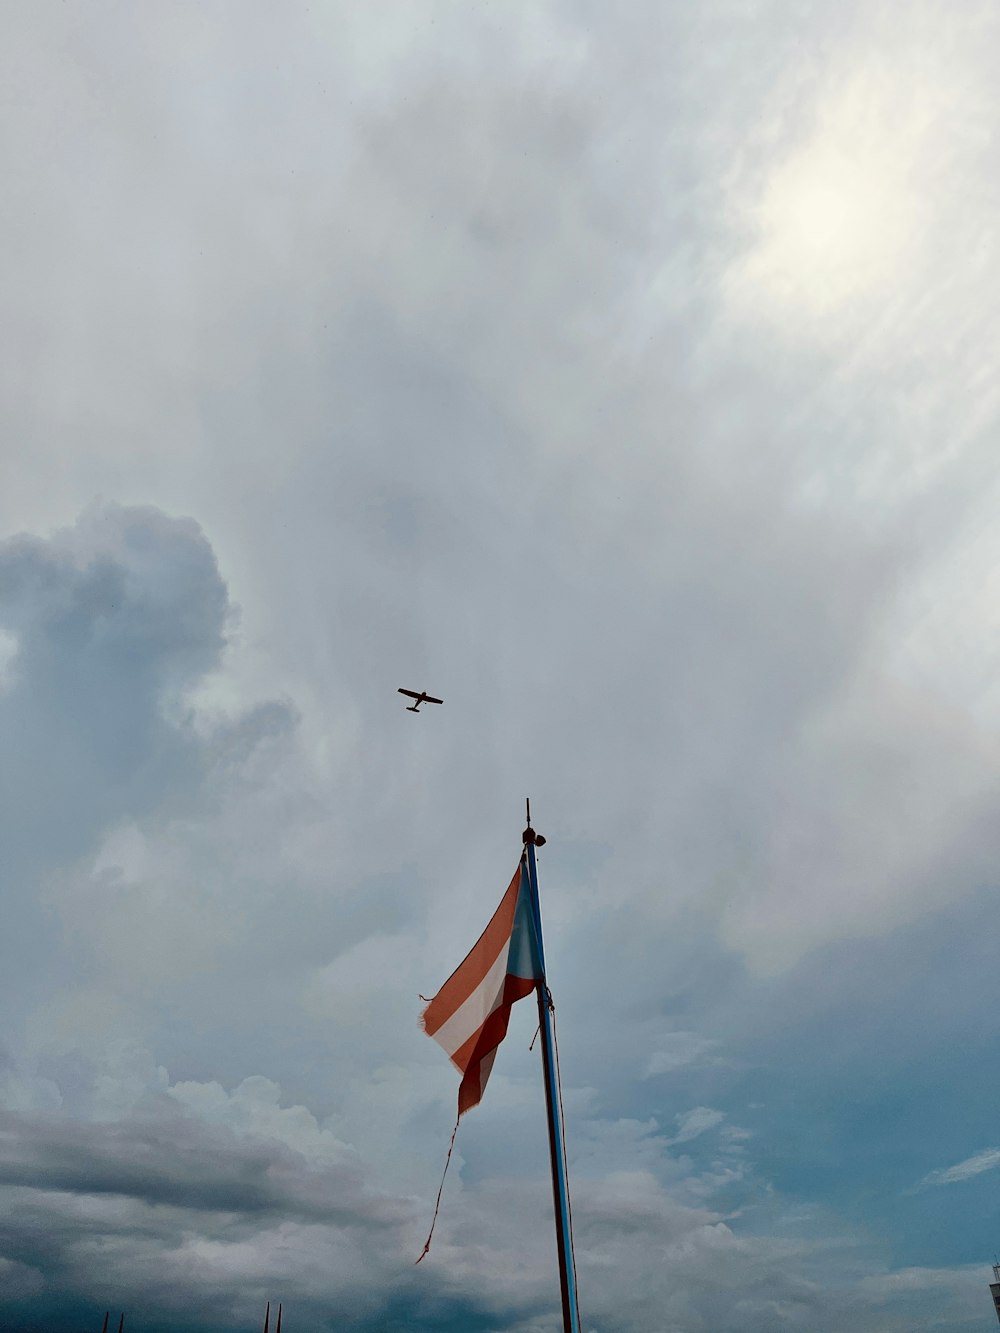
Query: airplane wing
[412,694]
[429,699]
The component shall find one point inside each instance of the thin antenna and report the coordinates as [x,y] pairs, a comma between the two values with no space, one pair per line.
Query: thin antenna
[104,1328]
[267,1316]
[278,1328]
[121,1322]
[529,834]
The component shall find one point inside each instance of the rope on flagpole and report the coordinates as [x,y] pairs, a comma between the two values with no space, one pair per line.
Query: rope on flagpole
[562,1119]
[437,1204]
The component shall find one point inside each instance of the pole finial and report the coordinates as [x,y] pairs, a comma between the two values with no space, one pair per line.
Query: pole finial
[529,834]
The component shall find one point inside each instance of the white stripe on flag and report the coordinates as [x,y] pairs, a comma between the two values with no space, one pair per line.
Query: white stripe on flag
[473,1012]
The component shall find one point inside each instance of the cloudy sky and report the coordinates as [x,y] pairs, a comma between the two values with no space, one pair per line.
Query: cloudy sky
[624,374]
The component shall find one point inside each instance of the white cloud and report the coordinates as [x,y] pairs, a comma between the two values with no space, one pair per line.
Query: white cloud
[695,1122]
[987,1160]
[254,1108]
[682,1050]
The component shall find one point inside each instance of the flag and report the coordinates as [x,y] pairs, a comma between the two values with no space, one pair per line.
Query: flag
[469,1014]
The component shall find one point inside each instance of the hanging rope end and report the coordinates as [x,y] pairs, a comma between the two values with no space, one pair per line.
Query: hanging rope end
[437,1204]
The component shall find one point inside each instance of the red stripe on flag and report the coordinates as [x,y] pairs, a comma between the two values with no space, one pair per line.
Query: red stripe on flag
[470,1057]
[472,970]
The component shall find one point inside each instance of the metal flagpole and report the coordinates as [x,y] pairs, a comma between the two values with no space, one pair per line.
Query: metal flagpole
[560,1184]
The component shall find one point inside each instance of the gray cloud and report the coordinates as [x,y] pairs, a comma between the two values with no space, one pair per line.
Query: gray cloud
[113,620]
[158,1159]
[509,354]
[123,1209]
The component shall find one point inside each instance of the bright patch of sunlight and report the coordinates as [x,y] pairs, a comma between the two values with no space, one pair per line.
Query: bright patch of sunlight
[839,222]
[833,228]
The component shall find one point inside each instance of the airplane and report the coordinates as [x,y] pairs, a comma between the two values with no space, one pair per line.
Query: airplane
[422,698]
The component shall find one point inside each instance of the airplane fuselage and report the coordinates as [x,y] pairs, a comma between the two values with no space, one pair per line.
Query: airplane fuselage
[422,698]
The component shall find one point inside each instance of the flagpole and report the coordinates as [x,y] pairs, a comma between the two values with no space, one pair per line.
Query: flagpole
[557,1152]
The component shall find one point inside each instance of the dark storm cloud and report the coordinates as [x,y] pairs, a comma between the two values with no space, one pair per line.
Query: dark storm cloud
[121,1211]
[112,622]
[164,1158]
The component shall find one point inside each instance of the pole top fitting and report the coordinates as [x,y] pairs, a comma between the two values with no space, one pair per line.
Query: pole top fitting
[529,835]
